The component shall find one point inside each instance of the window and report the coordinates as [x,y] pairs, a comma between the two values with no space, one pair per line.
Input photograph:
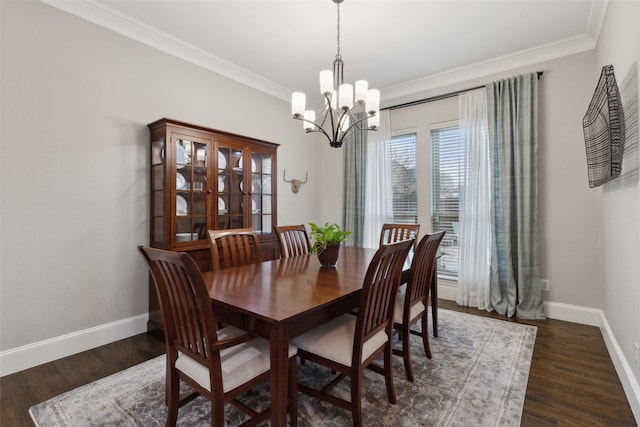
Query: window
[401,157]
[447,151]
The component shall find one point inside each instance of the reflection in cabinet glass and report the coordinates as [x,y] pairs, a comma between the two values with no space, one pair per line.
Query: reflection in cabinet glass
[192,208]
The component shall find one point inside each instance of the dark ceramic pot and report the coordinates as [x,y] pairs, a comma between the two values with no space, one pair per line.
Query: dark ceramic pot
[329,256]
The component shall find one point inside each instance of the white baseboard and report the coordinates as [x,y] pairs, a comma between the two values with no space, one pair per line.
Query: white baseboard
[623,368]
[30,355]
[446,291]
[553,310]
[572,313]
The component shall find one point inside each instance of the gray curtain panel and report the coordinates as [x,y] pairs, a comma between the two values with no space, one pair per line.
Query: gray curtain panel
[355,161]
[512,109]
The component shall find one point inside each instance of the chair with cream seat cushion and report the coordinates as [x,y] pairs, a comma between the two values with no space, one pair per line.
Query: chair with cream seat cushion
[219,364]
[411,301]
[348,344]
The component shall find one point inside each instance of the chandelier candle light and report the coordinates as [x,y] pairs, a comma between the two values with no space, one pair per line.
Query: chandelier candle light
[338,118]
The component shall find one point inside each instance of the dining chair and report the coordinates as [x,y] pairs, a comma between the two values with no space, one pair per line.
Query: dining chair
[293,240]
[234,247]
[391,233]
[219,364]
[347,344]
[411,300]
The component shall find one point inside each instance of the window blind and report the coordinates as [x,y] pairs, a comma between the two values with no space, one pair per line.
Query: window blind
[447,152]
[400,154]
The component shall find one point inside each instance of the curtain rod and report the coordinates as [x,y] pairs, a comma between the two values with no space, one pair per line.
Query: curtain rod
[439,97]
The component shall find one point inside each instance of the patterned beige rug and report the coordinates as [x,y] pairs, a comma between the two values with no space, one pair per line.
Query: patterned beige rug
[477,377]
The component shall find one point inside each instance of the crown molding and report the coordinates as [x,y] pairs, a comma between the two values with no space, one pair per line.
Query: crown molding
[136,30]
[494,66]
[115,21]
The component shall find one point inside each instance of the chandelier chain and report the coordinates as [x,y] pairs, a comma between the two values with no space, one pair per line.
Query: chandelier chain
[338,56]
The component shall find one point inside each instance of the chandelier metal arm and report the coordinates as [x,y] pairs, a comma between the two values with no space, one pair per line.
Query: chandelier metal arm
[317,128]
[337,135]
[354,124]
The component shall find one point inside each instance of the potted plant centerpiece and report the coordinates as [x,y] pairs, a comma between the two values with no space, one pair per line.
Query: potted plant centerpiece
[326,242]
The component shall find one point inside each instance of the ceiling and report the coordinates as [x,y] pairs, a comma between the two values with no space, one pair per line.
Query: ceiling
[399,46]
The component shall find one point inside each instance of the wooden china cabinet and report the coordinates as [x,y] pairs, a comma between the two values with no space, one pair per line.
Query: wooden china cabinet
[204,179]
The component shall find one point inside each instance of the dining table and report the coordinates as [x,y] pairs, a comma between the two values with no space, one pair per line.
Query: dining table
[283,298]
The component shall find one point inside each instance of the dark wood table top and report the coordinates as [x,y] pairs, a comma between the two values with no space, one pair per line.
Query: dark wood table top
[281,290]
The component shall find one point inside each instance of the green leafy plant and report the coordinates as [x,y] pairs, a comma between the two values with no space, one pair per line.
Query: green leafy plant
[326,235]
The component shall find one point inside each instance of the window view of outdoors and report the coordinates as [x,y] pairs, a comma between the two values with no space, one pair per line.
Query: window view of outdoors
[447,151]
[401,155]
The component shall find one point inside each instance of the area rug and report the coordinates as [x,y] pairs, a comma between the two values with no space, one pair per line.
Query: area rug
[477,377]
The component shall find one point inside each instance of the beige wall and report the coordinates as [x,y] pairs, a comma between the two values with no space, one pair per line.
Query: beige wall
[76,99]
[619,45]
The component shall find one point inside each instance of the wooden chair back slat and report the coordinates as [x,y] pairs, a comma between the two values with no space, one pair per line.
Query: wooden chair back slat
[379,289]
[422,266]
[392,233]
[188,317]
[421,280]
[234,247]
[293,240]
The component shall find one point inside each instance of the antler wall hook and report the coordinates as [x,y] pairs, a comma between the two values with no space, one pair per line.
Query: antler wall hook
[295,183]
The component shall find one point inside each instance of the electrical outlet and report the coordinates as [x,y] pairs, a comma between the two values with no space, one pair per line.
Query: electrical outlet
[545,284]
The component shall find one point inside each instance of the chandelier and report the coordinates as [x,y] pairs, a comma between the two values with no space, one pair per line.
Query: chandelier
[345,110]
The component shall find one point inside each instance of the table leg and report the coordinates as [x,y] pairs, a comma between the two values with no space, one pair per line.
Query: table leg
[279,345]
[434,301]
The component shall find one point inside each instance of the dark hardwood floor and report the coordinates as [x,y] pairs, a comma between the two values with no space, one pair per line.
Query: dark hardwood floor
[572,381]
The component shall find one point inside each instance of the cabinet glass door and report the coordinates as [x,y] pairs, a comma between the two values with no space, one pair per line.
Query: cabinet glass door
[191,189]
[158,191]
[230,192]
[261,195]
